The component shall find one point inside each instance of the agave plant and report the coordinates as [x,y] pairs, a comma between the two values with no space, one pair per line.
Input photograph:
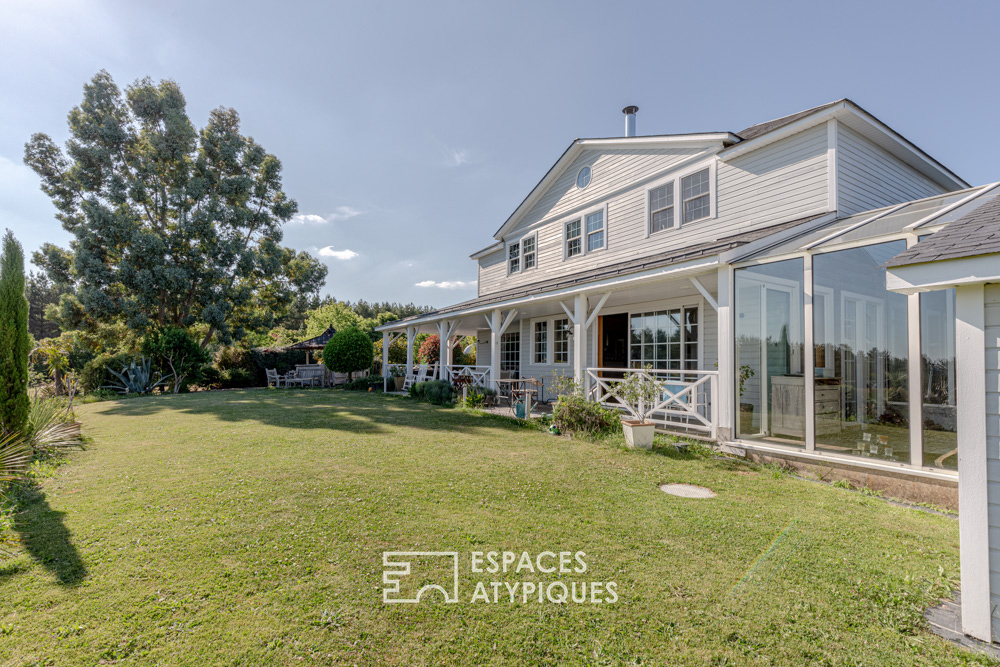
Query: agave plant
[136,378]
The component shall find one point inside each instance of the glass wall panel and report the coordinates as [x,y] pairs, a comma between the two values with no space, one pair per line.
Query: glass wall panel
[770,380]
[937,362]
[862,404]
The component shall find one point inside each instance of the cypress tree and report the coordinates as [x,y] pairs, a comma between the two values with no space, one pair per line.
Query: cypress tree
[15,345]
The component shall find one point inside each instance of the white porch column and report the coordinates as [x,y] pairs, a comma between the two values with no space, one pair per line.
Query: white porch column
[386,343]
[580,341]
[809,356]
[444,347]
[496,325]
[411,333]
[973,501]
[725,413]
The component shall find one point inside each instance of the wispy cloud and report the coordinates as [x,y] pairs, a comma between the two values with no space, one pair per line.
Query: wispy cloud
[343,213]
[307,219]
[339,214]
[447,284]
[458,156]
[345,254]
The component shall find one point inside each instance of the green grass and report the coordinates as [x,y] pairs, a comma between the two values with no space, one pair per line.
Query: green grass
[247,528]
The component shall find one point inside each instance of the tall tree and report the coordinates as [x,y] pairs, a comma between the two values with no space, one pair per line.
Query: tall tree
[42,294]
[171,226]
[15,344]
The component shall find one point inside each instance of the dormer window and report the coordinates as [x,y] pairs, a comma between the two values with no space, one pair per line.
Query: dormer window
[574,244]
[586,233]
[686,197]
[661,207]
[695,196]
[528,252]
[522,255]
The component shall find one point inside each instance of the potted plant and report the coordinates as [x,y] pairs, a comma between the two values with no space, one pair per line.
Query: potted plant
[637,391]
[398,377]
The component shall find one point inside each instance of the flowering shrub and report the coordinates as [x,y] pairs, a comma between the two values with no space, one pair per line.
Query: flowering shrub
[430,350]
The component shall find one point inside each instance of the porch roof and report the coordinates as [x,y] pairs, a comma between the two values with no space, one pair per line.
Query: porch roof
[673,257]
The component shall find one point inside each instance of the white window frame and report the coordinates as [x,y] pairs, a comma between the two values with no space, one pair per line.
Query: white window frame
[534,237]
[569,346]
[548,322]
[507,258]
[582,219]
[677,177]
[520,253]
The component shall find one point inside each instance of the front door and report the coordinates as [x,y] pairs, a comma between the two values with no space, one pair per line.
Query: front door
[613,349]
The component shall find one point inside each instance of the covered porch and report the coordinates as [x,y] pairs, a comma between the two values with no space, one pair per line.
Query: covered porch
[664,323]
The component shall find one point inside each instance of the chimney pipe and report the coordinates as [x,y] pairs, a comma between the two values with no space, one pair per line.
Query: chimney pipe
[630,112]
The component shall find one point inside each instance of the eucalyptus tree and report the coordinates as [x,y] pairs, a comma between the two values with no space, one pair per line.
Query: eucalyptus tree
[171,226]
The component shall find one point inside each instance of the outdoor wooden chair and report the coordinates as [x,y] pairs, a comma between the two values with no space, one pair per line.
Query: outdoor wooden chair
[273,377]
[414,378]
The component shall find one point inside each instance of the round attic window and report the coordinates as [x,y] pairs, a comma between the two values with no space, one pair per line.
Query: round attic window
[583,178]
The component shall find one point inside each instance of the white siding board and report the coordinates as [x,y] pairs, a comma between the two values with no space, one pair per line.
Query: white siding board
[773,184]
[992,371]
[869,177]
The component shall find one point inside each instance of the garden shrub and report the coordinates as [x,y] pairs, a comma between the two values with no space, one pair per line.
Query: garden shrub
[236,378]
[176,353]
[573,413]
[95,376]
[349,351]
[361,384]
[430,350]
[436,392]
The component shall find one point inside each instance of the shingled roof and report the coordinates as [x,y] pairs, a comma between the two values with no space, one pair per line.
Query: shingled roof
[757,130]
[972,235]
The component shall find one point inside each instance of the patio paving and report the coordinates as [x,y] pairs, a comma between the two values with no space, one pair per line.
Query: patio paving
[945,620]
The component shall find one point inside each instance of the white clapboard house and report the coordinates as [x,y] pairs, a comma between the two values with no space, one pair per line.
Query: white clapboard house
[748,271]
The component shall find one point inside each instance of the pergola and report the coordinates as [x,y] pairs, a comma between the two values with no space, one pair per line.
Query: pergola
[316,343]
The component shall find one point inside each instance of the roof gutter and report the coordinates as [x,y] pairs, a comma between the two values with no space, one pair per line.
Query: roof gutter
[690,267]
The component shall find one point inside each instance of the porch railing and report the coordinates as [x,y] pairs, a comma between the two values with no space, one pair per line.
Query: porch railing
[478,375]
[686,399]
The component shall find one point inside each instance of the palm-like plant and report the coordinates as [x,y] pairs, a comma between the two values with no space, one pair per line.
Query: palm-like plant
[51,426]
[136,378]
[15,456]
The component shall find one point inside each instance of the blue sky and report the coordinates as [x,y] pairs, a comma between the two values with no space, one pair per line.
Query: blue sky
[410,131]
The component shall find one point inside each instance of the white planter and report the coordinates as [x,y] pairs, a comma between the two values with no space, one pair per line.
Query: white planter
[638,434]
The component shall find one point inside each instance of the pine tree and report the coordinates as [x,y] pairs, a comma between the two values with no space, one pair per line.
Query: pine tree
[15,345]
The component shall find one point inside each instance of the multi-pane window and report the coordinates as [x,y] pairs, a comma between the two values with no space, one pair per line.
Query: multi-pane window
[514,258]
[560,341]
[595,230]
[695,198]
[661,207]
[574,242]
[664,339]
[528,252]
[541,343]
[510,352]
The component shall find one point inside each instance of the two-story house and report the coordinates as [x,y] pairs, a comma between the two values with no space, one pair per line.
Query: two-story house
[747,271]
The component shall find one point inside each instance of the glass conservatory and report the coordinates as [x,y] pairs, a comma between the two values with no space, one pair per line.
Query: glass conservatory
[829,361]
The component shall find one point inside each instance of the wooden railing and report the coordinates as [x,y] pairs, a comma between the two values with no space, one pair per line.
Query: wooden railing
[686,400]
[478,375]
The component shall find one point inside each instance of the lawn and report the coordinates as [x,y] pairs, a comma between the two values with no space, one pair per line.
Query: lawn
[247,528]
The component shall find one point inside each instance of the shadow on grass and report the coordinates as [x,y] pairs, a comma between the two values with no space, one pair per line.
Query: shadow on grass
[359,413]
[43,534]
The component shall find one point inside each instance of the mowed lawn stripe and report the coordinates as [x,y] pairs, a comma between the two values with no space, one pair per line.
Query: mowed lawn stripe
[247,527]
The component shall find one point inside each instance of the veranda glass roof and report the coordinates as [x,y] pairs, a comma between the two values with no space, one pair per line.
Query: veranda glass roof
[876,223]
